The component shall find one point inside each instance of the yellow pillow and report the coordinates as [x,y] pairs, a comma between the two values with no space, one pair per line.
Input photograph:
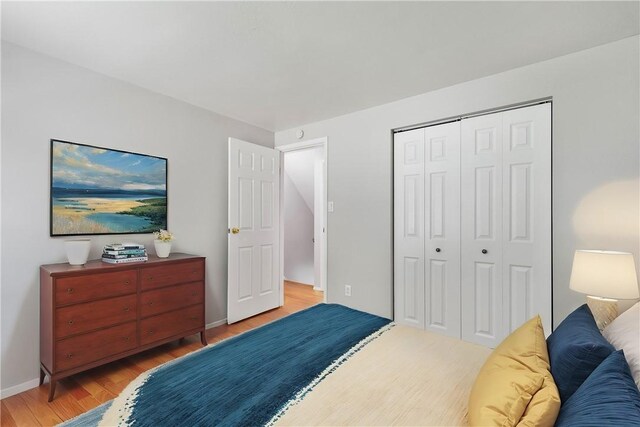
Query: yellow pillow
[515,385]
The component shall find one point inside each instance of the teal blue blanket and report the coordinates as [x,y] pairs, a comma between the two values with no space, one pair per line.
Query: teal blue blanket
[245,380]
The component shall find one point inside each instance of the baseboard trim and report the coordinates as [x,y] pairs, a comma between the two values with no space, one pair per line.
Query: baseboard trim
[27,385]
[216,324]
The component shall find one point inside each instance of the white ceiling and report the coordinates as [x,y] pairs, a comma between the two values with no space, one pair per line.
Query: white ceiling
[299,165]
[282,64]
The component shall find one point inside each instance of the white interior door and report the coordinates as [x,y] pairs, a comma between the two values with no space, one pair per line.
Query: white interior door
[254,220]
[409,228]
[442,228]
[481,230]
[526,165]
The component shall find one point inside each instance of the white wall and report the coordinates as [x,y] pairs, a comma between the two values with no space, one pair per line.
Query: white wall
[299,166]
[44,98]
[298,234]
[596,153]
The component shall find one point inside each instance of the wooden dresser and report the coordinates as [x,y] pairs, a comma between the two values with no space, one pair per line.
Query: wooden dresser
[97,313]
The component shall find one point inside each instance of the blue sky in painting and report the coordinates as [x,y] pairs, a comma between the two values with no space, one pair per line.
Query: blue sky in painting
[79,166]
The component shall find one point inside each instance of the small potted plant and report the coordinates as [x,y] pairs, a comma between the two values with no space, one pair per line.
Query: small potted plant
[163,243]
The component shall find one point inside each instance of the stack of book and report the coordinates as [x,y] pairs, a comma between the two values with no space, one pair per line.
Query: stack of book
[120,253]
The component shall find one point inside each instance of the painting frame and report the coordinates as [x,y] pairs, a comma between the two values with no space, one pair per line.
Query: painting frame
[155,215]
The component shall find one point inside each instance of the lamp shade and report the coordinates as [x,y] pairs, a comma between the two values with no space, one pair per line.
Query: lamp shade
[605,274]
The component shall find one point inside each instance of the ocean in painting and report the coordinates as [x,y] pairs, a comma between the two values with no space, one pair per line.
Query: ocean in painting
[104,193]
[121,223]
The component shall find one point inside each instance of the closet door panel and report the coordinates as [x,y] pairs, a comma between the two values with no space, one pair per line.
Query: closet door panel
[442,228]
[526,163]
[409,228]
[482,229]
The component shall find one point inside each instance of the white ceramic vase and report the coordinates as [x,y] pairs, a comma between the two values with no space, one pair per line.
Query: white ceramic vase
[163,249]
[77,251]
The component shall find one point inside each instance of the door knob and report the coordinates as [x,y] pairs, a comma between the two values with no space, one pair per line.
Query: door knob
[235,230]
[437,249]
[484,251]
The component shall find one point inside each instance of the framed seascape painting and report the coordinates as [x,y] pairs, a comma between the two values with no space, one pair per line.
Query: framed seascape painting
[97,190]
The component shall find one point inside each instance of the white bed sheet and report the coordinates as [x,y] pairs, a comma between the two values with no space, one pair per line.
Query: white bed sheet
[406,376]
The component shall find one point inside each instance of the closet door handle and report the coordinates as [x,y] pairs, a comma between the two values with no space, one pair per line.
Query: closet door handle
[484,251]
[437,249]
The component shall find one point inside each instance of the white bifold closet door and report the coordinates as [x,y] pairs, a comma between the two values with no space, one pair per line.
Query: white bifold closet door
[408,200]
[442,228]
[427,200]
[506,226]
[472,242]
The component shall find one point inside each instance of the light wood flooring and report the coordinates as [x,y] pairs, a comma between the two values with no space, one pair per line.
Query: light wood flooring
[84,391]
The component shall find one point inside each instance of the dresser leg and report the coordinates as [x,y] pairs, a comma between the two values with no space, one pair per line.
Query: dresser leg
[52,389]
[42,375]
[203,338]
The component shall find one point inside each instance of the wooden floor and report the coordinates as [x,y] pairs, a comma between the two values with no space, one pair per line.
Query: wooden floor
[82,392]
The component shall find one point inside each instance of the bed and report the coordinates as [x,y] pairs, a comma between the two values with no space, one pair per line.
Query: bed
[331,365]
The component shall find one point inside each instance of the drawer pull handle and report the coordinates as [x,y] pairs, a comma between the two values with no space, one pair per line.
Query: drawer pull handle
[150,302]
[126,282]
[150,277]
[70,322]
[150,331]
[193,317]
[69,355]
[126,338]
[69,290]
[126,309]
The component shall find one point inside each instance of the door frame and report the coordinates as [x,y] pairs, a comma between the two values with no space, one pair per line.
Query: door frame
[302,145]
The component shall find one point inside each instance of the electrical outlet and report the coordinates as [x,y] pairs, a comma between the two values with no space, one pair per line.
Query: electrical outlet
[347,290]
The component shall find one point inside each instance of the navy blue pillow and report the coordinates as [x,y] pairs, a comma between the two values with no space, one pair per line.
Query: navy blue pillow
[576,348]
[609,397]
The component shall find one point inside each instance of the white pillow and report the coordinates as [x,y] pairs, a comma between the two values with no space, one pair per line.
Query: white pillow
[624,334]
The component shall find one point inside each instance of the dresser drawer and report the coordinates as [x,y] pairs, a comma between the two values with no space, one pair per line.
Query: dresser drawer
[171,298]
[88,316]
[172,274]
[70,290]
[87,348]
[172,323]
